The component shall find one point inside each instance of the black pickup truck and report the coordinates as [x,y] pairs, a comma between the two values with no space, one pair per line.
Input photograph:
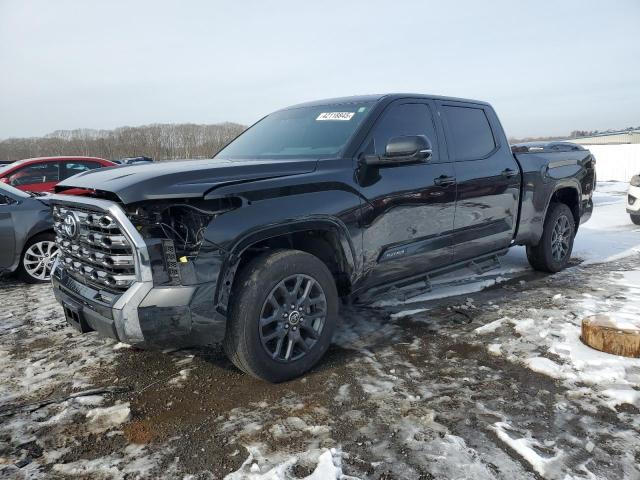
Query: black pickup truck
[344,198]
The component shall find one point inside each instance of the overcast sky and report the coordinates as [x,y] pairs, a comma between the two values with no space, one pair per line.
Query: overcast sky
[548,67]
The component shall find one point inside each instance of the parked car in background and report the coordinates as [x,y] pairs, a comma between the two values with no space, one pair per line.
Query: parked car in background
[5,162]
[633,199]
[42,174]
[26,235]
[133,160]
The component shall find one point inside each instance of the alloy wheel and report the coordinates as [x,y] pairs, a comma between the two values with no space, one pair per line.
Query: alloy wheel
[292,318]
[560,238]
[38,259]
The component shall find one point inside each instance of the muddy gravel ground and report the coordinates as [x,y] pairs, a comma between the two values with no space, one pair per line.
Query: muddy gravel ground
[485,385]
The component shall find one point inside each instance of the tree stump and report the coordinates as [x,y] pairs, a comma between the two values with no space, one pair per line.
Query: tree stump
[602,333]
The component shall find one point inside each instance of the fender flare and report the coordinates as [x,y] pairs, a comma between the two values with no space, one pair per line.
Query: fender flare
[566,183]
[242,243]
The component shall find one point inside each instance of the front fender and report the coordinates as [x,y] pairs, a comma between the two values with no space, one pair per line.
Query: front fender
[234,232]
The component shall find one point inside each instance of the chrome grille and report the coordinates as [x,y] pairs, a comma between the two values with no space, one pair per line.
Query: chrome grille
[93,248]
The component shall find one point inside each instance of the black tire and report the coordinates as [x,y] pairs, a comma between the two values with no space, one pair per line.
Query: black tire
[22,271]
[541,257]
[635,219]
[261,279]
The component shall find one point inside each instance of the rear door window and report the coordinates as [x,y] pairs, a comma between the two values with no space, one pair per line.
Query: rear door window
[471,133]
[44,172]
[73,168]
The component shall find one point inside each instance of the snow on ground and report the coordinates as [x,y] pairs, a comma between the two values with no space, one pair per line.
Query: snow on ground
[328,468]
[51,396]
[609,234]
[463,382]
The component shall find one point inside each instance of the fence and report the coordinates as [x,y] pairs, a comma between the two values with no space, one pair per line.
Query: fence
[616,162]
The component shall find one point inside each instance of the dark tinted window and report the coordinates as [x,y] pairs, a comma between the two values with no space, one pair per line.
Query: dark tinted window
[469,127]
[36,173]
[402,120]
[73,168]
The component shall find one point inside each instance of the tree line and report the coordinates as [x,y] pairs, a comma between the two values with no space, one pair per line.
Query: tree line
[158,141]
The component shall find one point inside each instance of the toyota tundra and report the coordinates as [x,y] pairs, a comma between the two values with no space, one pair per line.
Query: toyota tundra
[348,198]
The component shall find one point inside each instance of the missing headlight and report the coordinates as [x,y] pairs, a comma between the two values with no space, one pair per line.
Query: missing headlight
[183,222]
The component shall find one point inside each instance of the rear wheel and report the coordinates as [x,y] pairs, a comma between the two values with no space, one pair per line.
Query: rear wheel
[554,249]
[635,219]
[37,258]
[282,315]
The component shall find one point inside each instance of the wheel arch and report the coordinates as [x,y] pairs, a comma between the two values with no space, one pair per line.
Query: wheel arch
[569,194]
[324,237]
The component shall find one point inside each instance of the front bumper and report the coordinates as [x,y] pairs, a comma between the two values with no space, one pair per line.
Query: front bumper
[143,315]
[633,200]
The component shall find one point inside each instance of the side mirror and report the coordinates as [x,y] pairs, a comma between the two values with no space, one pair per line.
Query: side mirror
[402,151]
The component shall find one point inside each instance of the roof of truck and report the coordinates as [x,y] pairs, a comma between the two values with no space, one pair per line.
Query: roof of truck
[379,97]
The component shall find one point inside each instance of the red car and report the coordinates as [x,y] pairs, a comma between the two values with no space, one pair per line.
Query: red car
[42,174]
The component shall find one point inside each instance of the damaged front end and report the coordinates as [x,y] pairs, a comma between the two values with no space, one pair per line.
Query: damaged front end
[175,234]
[169,298]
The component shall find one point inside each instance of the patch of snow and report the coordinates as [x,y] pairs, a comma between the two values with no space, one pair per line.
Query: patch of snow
[490,327]
[135,463]
[406,313]
[179,379]
[328,467]
[494,349]
[619,396]
[525,448]
[545,366]
[102,419]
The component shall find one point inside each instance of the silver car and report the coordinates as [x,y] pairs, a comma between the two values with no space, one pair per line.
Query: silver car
[27,240]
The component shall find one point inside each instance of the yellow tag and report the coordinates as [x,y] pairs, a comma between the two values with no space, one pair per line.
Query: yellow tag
[183,259]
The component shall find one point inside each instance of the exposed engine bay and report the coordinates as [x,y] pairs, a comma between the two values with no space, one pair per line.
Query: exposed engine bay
[182,221]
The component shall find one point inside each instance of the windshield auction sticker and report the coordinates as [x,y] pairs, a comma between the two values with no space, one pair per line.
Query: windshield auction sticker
[342,116]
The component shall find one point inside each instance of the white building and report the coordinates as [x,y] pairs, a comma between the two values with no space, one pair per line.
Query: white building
[609,138]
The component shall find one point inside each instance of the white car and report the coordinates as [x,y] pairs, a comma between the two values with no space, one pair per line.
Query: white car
[633,199]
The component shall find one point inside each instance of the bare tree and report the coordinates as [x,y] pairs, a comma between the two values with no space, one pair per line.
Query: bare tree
[159,141]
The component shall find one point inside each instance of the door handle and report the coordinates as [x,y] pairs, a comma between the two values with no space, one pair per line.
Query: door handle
[444,180]
[509,172]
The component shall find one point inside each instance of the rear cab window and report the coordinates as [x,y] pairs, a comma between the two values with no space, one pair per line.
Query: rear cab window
[470,132]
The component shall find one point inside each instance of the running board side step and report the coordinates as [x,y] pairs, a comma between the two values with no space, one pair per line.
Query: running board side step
[411,287]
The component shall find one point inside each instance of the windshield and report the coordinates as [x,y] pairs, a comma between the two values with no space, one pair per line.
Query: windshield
[312,132]
[12,191]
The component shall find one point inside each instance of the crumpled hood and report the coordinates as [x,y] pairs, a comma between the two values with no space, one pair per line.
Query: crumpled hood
[181,179]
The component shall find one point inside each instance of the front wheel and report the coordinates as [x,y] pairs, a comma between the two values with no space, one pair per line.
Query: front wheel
[635,219]
[37,258]
[554,249]
[282,315]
